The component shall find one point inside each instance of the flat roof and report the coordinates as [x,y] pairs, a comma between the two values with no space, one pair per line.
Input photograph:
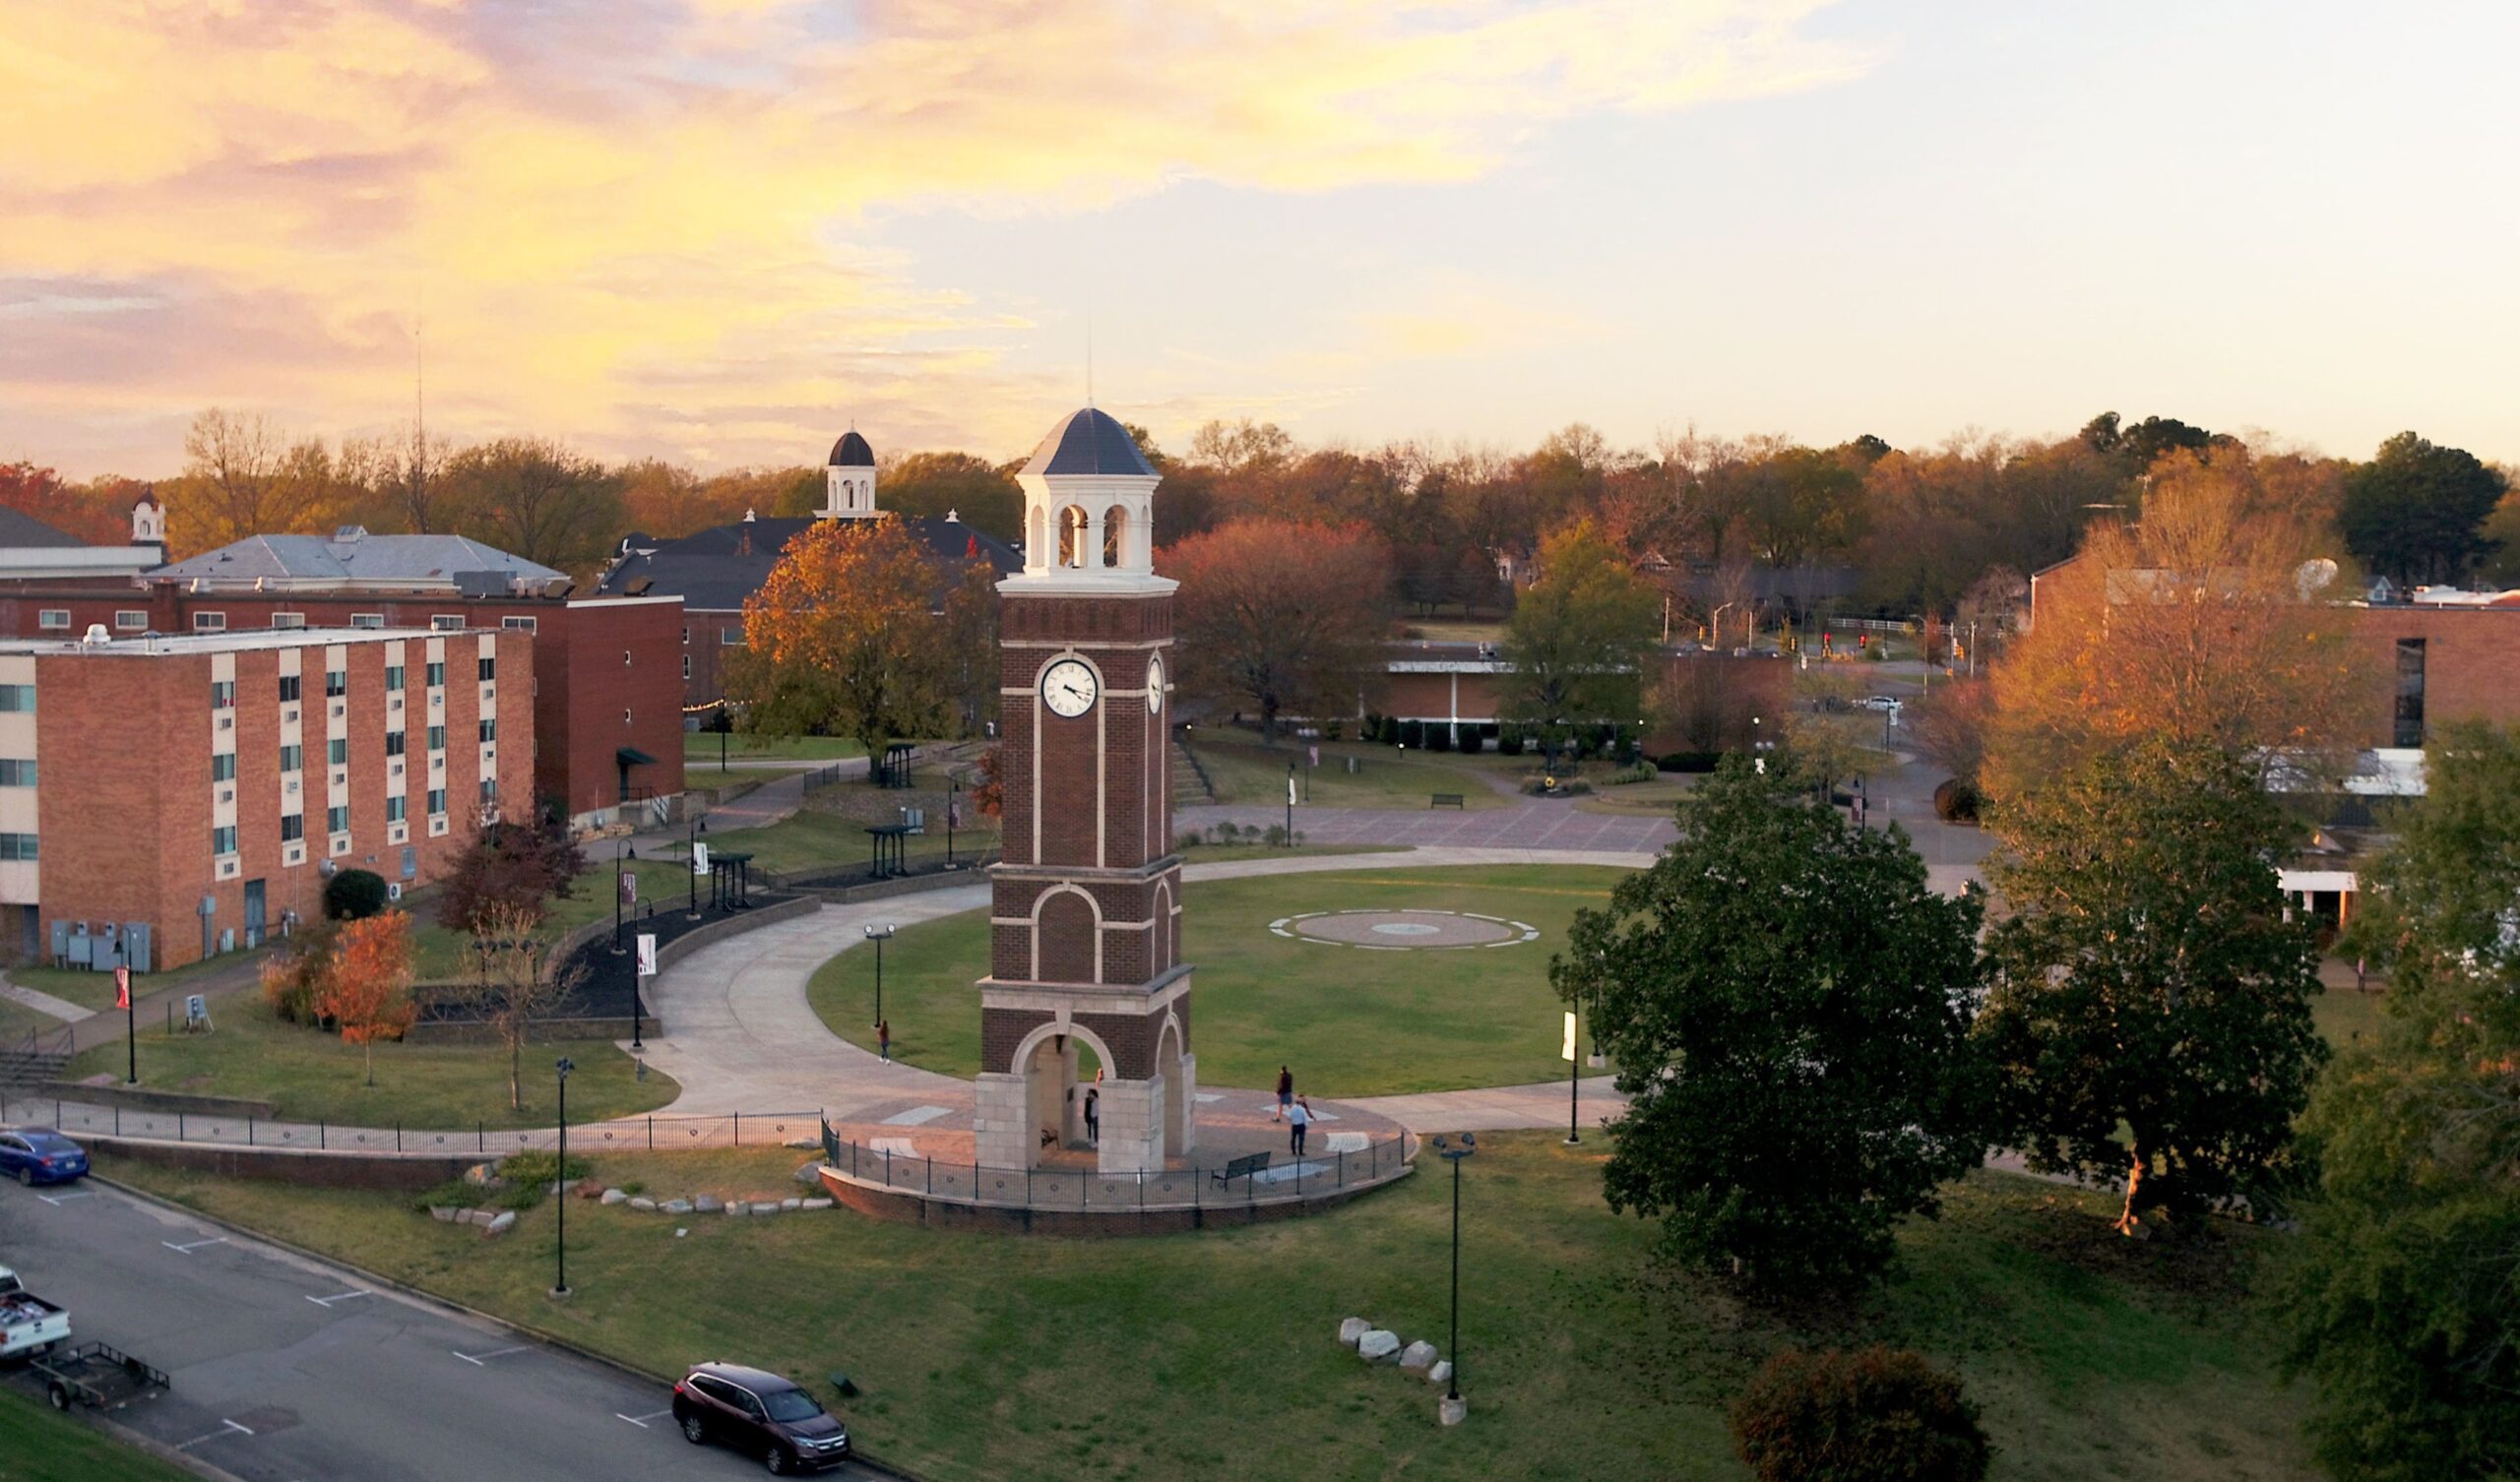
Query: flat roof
[244,639]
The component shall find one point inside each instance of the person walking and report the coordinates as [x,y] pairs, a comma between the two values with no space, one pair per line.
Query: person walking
[1298,1117]
[884,1039]
[1093,1115]
[1285,1092]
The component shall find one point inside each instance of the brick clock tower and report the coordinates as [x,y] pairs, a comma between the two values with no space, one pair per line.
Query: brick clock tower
[1086,918]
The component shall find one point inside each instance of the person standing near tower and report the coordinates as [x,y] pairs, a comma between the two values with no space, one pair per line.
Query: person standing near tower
[1285,1092]
[1299,1117]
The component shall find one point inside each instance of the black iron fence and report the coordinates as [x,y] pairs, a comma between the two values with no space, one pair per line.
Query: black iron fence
[618,1135]
[1217,1183]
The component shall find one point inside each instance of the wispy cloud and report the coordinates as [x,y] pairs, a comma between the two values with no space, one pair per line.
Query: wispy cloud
[643,224]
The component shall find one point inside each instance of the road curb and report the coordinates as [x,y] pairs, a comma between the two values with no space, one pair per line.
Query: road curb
[539,1336]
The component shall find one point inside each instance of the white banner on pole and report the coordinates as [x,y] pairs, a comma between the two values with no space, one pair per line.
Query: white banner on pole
[1291,789]
[647,955]
[699,858]
[1567,1050]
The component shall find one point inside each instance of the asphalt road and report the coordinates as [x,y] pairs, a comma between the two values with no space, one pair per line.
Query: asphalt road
[288,1369]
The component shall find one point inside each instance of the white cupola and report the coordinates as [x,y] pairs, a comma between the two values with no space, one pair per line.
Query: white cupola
[1089,509]
[849,480]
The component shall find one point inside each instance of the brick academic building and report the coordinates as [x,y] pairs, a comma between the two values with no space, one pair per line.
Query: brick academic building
[183,796]
[605,688]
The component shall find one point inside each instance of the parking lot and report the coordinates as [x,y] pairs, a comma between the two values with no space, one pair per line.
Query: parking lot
[288,1369]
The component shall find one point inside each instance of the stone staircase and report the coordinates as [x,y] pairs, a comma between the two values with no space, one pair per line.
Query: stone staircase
[30,1061]
[1190,785]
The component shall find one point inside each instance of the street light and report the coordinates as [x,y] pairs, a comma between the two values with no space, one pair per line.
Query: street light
[1573,1065]
[879,932]
[1453,1409]
[561,1287]
[698,825]
[620,857]
[130,1012]
[953,811]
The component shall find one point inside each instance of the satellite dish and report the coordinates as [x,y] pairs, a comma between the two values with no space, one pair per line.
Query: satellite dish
[2313,576]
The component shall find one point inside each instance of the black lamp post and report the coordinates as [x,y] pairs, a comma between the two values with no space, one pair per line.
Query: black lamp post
[953,806]
[698,825]
[130,1015]
[561,1287]
[620,857]
[1573,1065]
[1290,805]
[878,932]
[1454,1155]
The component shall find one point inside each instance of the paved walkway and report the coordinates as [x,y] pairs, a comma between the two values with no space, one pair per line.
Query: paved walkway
[43,1003]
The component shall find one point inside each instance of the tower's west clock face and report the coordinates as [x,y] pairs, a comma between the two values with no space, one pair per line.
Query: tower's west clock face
[1069,688]
[1155,686]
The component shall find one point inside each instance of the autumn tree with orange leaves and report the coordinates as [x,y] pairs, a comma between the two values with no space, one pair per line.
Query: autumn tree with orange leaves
[1281,616]
[368,989]
[845,637]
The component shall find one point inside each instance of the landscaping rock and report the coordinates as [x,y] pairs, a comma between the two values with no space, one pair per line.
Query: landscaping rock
[481,1175]
[443,1214]
[803,1143]
[1452,1411]
[1380,1346]
[815,1204]
[589,1188]
[767,1207]
[501,1226]
[615,1196]
[643,1204]
[1441,1373]
[791,1203]
[676,1206]
[810,1171]
[708,1204]
[1352,1329]
[1417,1358]
[739,1207]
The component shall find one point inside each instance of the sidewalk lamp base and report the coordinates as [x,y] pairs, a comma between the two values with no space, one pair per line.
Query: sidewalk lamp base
[1452,1411]
[561,1294]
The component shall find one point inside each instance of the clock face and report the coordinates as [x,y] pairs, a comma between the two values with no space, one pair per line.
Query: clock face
[1068,688]
[1154,686]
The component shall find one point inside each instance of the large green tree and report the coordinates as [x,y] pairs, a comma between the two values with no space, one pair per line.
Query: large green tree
[2416,511]
[2404,1294]
[1788,1003]
[2149,1014]
[1579,638]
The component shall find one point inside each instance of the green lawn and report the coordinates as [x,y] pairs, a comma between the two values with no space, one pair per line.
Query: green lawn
[814,840]
[440,954]
[38,1446]
[312,1076]
[95,990]
[701,748]
[1352,1022]
[1246,772]
[1212,1355]
[2347,1018]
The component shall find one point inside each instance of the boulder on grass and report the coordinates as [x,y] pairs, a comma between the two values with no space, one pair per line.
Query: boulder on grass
[815,1204]
[810,1171]
[643,1204]
[443,1214]
[791,1201]
[1352,1329]
[481,1175]
[708,1204]
[1379,1347]
[765,1206]
[1417,1358]
[739,1207]
[505,1222]
[676,1206]
[1441,1373]
[587,1188]
[615,1196]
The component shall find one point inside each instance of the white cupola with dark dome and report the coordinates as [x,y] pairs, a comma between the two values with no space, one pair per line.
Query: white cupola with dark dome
[849,482]
[1089,509]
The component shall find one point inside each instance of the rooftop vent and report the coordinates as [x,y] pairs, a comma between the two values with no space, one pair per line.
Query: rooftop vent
[97,634]
[349,533]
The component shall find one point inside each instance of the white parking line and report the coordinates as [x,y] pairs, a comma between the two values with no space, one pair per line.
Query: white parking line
[232,1428]
[476,1359]
[326,1302]
[641,1421]
[189,1248]
[58,1199]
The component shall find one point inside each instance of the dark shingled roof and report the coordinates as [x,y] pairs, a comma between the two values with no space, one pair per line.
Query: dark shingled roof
[714,570]
[851,451]
[19,530]
[1091,441]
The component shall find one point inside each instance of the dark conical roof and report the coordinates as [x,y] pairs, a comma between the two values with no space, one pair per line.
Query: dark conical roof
[1091,441]
[851,451]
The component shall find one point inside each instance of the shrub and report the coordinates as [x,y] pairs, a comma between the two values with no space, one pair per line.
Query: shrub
[353,895]
[1228,832]
[1877,654]
[1439,737]
[1880,1415]
[537,1168]
[1640,771]
[1367,729]
[1690,760]
[1509,743]
[1275,838]
[1190,840]
[1470,739]
[1411,733]
[1331,729]
[1956,802]
[294,973]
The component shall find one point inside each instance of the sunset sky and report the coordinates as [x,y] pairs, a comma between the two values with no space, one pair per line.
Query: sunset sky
[722,230]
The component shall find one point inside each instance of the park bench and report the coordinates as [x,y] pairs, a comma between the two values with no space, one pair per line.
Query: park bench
[1445,800]
[1243,1167]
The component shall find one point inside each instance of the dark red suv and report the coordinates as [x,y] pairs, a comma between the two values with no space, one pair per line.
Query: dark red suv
[759,1412]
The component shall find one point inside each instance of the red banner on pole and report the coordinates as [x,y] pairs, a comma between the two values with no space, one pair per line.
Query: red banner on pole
[122,987]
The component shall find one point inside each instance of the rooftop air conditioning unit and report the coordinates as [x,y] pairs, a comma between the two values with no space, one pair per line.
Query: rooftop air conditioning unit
[97,634]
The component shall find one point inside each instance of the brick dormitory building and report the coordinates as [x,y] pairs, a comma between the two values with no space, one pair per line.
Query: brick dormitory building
[167,798]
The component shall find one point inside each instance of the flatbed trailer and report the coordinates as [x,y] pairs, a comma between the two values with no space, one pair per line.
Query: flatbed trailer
[98,1376]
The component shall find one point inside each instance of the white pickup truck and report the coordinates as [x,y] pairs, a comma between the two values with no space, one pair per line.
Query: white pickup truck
[30,1326]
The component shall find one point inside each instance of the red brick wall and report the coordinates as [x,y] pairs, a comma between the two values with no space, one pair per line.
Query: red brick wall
[2471,666]
[123,805]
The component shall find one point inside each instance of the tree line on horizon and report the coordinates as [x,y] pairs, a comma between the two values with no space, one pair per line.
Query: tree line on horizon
[1919,527]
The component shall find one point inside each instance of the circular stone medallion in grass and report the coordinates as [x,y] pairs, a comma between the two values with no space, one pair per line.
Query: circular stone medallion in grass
[1405,930]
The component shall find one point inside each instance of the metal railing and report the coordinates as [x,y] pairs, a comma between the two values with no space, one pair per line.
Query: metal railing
[1088,1189]
[645,1133]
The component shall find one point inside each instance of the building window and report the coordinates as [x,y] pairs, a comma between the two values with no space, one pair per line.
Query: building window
[437,801]
[489,668]
[393,678]
[210,622]
[338,750]
[437,738]
[367,620]
[394,808]
[393,743]
[489,731]
[2410,714]
[522,624]
[53,618]
[337,818]
[730,638]
[224,840]
[337,683]
[489,792]
[16,846]
[437,675]
[289,620]
[686,666]
[293,828]
[223,766]
[291,686]
[223,694]
[17,773]
[447,622]
[686,634]
[625,714]
[130,620]
[17,698]
[293,758]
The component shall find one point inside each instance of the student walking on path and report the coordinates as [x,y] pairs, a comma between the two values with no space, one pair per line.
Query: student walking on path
[1285,1092]
[884,1040]
[1299,1115]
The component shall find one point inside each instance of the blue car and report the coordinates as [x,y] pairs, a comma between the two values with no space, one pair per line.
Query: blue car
[39,1155]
